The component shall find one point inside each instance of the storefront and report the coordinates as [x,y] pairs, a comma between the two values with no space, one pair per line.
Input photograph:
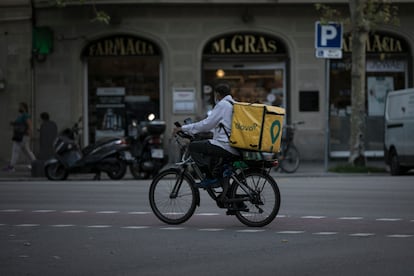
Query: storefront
[123,76]
[388,68]
[254,64]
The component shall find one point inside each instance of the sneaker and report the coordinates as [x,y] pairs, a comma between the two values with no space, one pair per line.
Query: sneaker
[8,169]
[209,183]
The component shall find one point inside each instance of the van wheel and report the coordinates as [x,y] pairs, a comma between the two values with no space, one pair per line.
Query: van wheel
[395,167]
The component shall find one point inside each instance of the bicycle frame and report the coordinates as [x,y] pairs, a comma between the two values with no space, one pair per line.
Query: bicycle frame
[186,162]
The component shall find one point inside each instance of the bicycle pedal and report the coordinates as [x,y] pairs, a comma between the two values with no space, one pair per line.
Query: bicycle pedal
[232,211]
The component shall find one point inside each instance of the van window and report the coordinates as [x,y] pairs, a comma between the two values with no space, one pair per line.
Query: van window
[400,106]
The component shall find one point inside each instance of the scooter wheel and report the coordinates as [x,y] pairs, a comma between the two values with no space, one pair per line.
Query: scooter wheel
[137,173]
[118,170]
[56,171]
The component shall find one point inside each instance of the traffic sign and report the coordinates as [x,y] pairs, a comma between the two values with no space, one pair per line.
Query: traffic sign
[329,53]
[328,35]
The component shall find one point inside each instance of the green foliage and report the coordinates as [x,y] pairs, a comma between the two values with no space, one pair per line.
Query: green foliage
[100,16]
[375,12]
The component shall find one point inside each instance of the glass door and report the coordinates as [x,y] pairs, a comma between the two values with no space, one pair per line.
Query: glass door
[253,82]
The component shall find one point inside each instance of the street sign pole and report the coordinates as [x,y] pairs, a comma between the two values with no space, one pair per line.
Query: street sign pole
[328,45]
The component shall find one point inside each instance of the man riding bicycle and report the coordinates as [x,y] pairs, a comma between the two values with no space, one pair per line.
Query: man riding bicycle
[210,155]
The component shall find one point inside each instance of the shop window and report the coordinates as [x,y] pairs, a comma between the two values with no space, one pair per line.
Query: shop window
[138,77]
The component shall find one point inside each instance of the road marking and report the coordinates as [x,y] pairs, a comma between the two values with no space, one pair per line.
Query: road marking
[107,212]
[135,227]
[11,211]
[325,233]
[138,213]
[74,211]
[207,214]
[172,228]
[27,225]
[313,217]
[400,236]
[281,216]
[290,232]
[99,226]
[62,225]
[43,211]
[388,219]
[250,231]
[351,218]
[211,229]
[362,234]
[2,224]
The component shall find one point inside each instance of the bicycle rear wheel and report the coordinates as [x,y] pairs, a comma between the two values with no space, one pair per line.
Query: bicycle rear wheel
[172,197]
[291,159]
[263,207]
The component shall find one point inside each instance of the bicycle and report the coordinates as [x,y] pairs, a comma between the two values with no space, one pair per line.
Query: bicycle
[249,192]
[289,156]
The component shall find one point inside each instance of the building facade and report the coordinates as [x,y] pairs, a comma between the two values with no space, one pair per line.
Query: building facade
[165,57]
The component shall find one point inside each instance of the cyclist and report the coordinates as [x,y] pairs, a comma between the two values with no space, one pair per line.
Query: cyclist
[210,155]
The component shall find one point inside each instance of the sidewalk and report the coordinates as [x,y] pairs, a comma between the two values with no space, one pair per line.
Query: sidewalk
[306,169]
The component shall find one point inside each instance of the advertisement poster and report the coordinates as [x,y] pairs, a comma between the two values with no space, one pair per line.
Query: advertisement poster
[110,111]
[378,87]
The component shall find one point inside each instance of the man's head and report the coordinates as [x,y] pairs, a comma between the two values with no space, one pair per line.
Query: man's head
[44,116]
[221,90]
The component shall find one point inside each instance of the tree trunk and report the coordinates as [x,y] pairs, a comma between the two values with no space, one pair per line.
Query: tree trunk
[360,31]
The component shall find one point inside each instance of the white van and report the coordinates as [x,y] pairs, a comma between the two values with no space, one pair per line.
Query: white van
[399,131]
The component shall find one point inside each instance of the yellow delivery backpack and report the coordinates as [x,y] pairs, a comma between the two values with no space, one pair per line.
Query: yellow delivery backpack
[256,127]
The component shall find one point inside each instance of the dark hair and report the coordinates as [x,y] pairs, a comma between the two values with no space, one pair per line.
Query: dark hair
[24,106]
[223,89]
[44,116]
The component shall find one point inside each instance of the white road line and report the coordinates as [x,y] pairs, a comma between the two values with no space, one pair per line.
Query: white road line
[62,225]
[351,218]
[172,228]
[400,236]
[43,211]
[135,227]
[74,211]
[11,211]
[211,229]
[325,233]
[107,212]
[138,213]
[290,232]
[388,219]
[207,214]
[281,216]
[2,224]
[99,226]
[313,217]
[27,225]
[362,234]
[250,231]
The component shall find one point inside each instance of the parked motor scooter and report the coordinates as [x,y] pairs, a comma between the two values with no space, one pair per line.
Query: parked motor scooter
[146,147]
[109,155]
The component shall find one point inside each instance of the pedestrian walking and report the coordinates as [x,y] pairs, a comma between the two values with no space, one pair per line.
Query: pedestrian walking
[22,132]
[47,135]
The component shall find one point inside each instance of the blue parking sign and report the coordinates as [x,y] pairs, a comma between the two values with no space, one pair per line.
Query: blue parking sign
[328,35]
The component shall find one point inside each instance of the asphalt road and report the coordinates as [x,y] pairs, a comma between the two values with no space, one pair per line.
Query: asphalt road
[358,225]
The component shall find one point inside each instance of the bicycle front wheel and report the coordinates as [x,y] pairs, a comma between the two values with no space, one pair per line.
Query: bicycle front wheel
[264,195]
[290,161]
[172,197]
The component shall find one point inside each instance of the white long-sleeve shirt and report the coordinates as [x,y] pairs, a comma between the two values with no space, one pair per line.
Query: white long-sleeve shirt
[221,113]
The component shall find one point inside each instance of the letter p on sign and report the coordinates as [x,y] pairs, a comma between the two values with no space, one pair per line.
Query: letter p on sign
[328,35]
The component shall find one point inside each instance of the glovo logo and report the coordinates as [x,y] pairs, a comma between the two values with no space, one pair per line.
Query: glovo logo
[275,131]
[246,127]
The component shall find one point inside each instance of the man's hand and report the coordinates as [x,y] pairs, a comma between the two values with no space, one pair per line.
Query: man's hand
[177,129]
